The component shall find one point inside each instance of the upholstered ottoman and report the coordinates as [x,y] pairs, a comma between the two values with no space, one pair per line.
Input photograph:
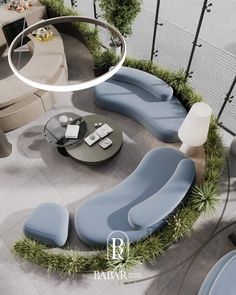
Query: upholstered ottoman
[48,223]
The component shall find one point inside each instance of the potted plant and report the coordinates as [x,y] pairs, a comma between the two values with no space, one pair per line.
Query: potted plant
[103,61]
[120,14]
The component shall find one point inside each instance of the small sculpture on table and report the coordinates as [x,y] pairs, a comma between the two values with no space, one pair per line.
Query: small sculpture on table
[43,34]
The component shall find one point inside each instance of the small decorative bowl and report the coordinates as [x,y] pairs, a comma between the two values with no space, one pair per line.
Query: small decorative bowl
[43,34]
[63,119]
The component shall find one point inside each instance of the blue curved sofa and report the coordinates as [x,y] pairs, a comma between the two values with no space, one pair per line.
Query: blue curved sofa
[145,98]
[140,204]
[221,278]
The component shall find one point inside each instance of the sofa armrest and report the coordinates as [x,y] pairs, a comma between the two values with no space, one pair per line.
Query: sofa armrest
[158,206]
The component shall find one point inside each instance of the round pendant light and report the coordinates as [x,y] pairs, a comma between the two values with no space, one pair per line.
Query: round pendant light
[70,87]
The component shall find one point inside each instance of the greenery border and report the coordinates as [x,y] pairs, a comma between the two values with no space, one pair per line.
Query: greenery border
[202,199]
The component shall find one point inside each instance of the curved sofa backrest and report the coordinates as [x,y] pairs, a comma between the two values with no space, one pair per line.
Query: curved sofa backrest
[158,165]
[164,201]
[148,82]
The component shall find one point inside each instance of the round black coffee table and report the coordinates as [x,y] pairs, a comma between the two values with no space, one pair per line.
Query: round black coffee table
[54,131]
[95,154]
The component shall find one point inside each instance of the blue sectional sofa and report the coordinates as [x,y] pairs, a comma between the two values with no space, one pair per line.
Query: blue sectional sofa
[146,99]
[140,204]
[221,278]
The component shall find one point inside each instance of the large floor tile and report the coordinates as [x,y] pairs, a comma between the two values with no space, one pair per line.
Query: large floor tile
[13,279]
[8,263]
[172,263]
[190,277]
[16,170]
[83,285]
[27,195]
[94,181]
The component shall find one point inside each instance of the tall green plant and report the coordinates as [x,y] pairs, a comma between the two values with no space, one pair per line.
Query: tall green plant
[121,13]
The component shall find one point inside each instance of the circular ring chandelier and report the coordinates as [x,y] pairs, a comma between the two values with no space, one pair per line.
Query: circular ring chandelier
[75,87]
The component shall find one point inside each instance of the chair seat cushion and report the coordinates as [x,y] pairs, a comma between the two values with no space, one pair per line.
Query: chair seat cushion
[48,223]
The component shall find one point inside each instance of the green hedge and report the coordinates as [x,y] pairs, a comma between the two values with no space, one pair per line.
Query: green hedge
[202,199]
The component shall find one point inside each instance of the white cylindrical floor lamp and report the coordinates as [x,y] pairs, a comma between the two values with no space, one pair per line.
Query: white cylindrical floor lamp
[194,129]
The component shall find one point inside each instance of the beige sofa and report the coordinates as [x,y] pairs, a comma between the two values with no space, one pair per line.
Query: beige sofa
[20,103]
